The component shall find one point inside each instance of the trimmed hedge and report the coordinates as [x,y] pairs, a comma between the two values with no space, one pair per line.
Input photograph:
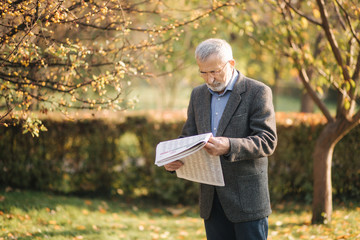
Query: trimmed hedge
[114,156]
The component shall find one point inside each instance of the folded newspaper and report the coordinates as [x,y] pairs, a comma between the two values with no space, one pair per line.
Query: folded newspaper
[199,165]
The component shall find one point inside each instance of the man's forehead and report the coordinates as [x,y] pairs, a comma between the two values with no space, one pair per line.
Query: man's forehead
[212,60]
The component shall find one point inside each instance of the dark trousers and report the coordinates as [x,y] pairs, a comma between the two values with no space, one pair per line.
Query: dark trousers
[218,227]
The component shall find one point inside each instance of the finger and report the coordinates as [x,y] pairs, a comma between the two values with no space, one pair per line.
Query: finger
[174,165]
[210,144]
[211,140]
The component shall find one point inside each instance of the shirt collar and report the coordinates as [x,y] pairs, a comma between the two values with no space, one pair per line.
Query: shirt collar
[230,86]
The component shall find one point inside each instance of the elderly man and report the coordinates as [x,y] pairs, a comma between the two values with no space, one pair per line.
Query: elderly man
[240,114]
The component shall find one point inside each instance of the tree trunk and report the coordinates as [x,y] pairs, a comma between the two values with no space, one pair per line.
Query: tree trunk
[322,158]
[307,104]
[276,86]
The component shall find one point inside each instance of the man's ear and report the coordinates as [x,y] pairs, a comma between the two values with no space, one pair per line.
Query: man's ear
[232,62]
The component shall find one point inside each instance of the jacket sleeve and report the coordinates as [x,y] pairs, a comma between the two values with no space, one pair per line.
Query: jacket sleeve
[262,139]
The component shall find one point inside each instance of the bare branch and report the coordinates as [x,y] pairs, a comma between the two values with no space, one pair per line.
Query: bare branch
[7,113]
[347,17]
[356,73]
[341,20]
[332,40]
[306,81]
[300,13]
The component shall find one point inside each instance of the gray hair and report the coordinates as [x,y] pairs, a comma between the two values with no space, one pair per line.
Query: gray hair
[214,46]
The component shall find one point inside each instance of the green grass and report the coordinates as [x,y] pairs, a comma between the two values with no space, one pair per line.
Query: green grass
[37,215]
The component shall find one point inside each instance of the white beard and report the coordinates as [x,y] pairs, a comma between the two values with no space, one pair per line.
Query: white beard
[218,86]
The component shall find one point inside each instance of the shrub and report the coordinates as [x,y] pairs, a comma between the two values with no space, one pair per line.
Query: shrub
[113,155]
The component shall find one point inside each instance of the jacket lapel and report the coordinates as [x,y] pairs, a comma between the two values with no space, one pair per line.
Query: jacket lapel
[232,104]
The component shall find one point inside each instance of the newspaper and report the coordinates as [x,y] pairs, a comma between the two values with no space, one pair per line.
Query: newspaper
[199,165]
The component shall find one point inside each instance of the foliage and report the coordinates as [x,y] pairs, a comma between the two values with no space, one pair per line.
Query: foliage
[35,215]
[321,39]
[113,155]
[62,54]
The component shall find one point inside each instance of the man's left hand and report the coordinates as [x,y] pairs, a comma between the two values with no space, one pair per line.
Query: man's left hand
[218,146]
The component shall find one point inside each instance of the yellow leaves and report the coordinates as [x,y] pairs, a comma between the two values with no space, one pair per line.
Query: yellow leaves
[141,191]
[304,23]
[33,126]
[347,104]
[320,90]
[28,19]
[316,13]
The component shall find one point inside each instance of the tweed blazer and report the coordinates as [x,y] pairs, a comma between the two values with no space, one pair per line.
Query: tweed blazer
[249,122]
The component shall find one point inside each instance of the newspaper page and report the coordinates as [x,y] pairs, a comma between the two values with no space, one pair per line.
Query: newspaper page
[203,168]
[199,166]
[169,151]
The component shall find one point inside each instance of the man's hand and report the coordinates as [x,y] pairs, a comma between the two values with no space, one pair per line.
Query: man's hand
[173,166]
[217,146]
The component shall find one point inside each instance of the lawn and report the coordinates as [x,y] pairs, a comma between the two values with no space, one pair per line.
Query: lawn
[37,215]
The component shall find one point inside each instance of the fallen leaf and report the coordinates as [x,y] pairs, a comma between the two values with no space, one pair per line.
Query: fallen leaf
[157,210]
[80,227]
[344,237]
[176,211]
[102,210]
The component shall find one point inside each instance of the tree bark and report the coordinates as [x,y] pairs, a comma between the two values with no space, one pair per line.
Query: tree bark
[322,196]
[322,158]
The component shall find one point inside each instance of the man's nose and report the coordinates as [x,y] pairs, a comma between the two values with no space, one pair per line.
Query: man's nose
[210,79]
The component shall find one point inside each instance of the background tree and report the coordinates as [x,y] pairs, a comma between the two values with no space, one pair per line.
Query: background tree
[61,55]
[322,41]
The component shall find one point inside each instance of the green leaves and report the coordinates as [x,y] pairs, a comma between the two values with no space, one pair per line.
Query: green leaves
[33,126]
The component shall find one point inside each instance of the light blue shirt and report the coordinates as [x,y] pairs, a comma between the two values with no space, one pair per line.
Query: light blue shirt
[219,101]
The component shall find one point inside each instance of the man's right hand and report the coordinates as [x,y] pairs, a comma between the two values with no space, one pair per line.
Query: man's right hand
[173,166]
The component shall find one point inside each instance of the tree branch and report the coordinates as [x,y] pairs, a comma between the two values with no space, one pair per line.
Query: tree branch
[303,74]
[298,12]
[347,17]
[341,20]
[7,113]
[306,81]
[356,73]
[332,40]
[356,118]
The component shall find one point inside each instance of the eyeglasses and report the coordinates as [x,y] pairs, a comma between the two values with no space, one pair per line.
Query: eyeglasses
[217,72]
